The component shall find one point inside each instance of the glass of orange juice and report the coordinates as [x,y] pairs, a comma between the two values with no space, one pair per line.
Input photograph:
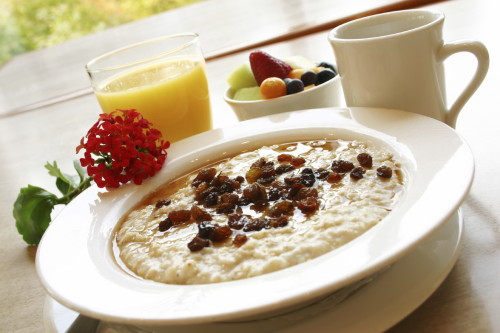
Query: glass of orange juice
[164,79]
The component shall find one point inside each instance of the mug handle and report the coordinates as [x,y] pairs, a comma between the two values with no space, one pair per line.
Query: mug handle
[483,61]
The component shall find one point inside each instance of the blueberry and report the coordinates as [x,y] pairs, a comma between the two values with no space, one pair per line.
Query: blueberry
[327,65]
[308,78]
[294,86]
[325,75]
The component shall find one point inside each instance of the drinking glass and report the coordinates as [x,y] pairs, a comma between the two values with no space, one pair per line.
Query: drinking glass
[164,79]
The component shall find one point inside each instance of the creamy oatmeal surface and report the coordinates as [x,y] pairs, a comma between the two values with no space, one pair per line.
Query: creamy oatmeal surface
[259,212]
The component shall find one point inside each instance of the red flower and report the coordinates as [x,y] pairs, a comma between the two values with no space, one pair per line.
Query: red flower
[121,147]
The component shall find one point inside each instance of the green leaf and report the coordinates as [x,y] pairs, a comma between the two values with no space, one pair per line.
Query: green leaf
[82,172]
[63,186]
[65,183]
[54,170]
[32,210]
[34,205]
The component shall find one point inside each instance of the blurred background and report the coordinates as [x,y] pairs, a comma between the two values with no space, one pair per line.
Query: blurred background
[27,25]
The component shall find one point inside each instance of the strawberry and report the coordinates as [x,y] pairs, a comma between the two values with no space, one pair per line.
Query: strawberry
[264,65]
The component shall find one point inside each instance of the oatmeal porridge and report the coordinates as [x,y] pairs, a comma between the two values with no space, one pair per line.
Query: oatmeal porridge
[259,212]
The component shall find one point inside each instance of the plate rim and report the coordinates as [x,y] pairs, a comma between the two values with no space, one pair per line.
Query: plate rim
[358,118]
[58,318]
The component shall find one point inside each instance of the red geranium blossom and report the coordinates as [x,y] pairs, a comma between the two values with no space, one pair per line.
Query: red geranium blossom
[120,147]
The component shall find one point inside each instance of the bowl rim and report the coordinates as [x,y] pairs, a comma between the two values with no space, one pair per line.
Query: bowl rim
[229,92]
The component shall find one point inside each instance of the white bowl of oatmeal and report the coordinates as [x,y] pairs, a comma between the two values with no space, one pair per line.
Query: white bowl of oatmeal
[93,261]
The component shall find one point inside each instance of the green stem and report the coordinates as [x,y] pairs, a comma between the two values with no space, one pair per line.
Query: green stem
[73,194]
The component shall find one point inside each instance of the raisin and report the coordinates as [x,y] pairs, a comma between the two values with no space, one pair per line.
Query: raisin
[357,173]
[259,206]
[163,203]
[243,201]
[219,180]
[226,187]
[229,198]
[221,233]
[259,170]
[259,163]
[255,225]
[321,173]
[273,194]
[307,177]
[266,180]
[279,222]
[211,200]
[200,191]
[197,244]
[291,180]
[253,174]
[237,221]
[384,172]
[306,192]
[202,195]
[179,216]
[240,179]
[308,205]
[262,172]
[268,166]
[281,208]
[284,158]
[342,166]
[334,177]
[236,184]
[365,160]
[294,190]
[284,168]
[165,225]
[276,191]
[199,214]
[204,176]
[297,161]
[206,229]
[239,240]
[225,208]
[308,171]
[255,192]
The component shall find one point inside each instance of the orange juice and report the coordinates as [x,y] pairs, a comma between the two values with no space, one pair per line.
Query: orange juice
[173,95]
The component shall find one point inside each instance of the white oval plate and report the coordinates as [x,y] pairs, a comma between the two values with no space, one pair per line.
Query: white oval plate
[76,265]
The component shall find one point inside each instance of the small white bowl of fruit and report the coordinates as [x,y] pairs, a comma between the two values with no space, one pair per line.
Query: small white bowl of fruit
[267,85]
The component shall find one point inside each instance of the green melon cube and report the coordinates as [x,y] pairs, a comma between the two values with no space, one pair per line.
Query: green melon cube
[248,94]
[241,77]
[299,61]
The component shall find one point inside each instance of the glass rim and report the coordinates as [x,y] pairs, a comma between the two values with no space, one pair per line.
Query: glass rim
[183,46]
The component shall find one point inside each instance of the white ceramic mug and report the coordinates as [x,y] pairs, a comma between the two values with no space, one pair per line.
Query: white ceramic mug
[395,60]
